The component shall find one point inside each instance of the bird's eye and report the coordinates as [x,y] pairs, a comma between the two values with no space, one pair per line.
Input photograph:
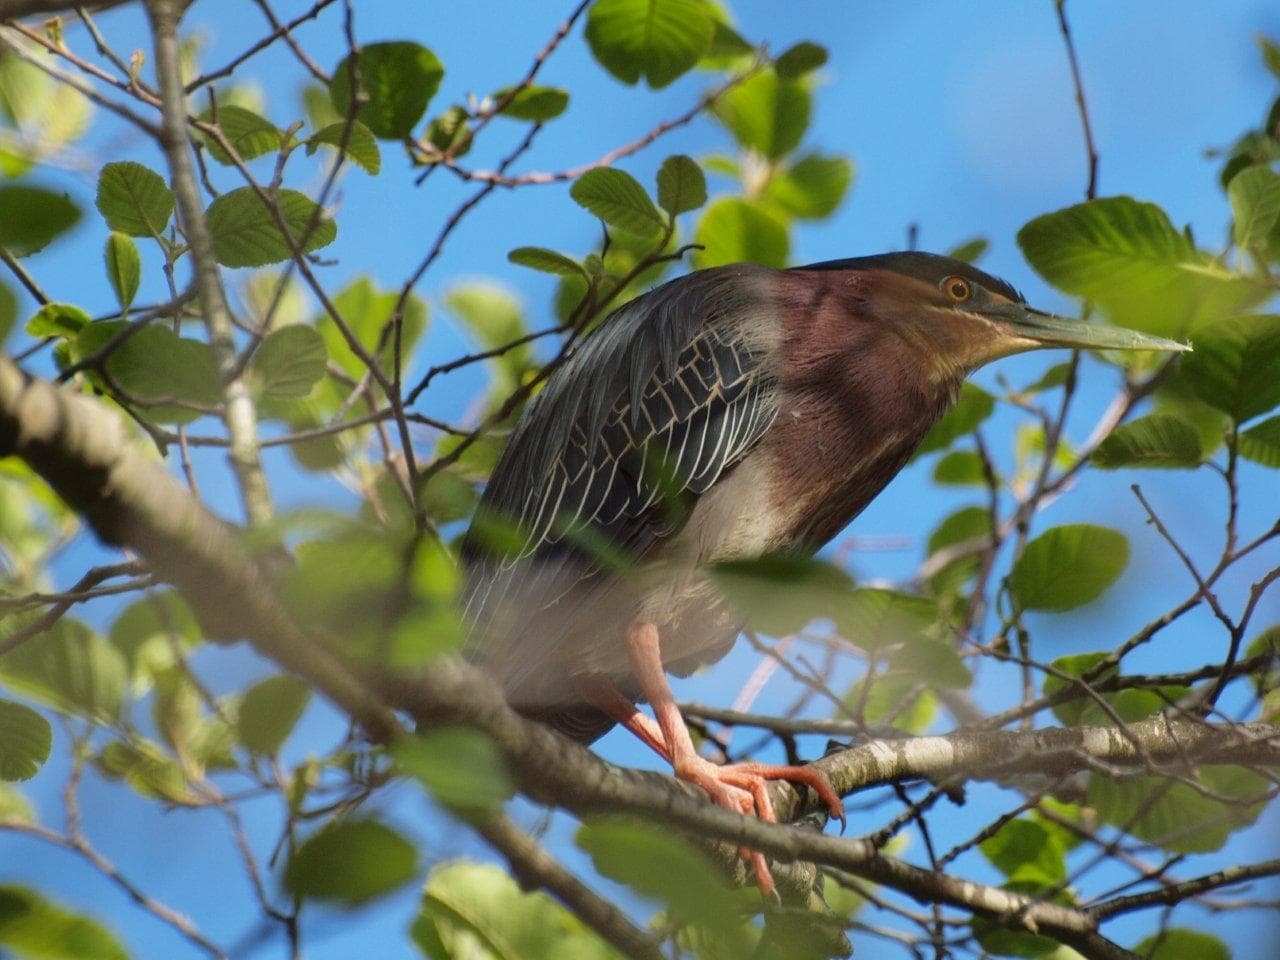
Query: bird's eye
[957,288]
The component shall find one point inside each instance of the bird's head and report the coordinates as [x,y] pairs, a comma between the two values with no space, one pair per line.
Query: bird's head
[960,317]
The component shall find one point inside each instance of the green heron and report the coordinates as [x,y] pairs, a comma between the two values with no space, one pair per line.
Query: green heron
[726,414]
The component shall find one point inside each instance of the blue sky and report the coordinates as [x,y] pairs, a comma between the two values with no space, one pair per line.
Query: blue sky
[959,119]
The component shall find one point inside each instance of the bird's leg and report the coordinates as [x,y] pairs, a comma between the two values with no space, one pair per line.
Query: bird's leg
[724,784]
[609,700]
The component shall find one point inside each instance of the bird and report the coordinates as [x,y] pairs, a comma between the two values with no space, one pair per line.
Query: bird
[731,413]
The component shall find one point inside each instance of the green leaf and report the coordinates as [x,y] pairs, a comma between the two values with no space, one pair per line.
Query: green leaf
[133,199]
[478,911]
[271,708]
[154,365]
[876,618]
[68,667]
[681,185]
[799,60]
[289,362]
[766,113]
[546,261]
[57,320]
[812,187]
[124,267]
[25,740]
[1126,257]
[461,766]
[973,407]
[146,768]
[34,928]
[1255,205]
[534,103]
[1177,943]
[960,468]
[1002,941]
[970,251]
[965,525]
[656,39]
[366,310]
[617,198]
[361,146]
[1261,443]
[8,312]
[930,661]
[1175,816]
[663,865]
[1158,440]
[1270,55]
[1025,851]
[399,78]
[778,594]
[14,806]
[1235,366]
[1068,566]
[245,234]
[735,230]
[450,132]
[143,631]
[350,861]
[1055,376]
[31,217]
[248,134]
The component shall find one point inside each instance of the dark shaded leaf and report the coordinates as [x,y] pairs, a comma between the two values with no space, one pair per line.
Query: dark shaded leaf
[658,40]
[350,861]
[25,740]
[8,312]
[1261,443]
[399,78]
[245,233]
[1255,206]
[800,59]
[681,185]
[1236,365]
[134,199]
[154,365]
[1068,566]
[31,217]
[973,407]
[289,362]
[534,103]
[271,708]
[124,267]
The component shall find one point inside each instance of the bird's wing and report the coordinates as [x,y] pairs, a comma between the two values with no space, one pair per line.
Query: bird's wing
[673,390]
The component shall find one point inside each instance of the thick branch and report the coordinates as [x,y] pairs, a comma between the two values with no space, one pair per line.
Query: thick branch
[13,9]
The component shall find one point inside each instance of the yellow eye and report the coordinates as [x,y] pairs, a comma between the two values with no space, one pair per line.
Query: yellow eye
[957,288]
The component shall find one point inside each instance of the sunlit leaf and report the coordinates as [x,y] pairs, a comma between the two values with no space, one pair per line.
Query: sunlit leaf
[57,320]
[247,133]
[354,139]
[1177,943]
[271,708]
[366,310]
[68,667]
[1261,443]
[1068,566]
[32,217]
[478,912]
[1255,204]
[618,199]
[973,407]
[351,862]
[34,928]
[399,78]
[1158,440]
[245,232]
[25,740]
[766,113]
[970,251]
[1025,851]
[1127,257]
[812,187]
[735,230]
[134,199]
[960,468]
[655,39]
[546,261]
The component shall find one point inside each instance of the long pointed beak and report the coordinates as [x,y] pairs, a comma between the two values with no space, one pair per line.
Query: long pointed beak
[1055,331]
